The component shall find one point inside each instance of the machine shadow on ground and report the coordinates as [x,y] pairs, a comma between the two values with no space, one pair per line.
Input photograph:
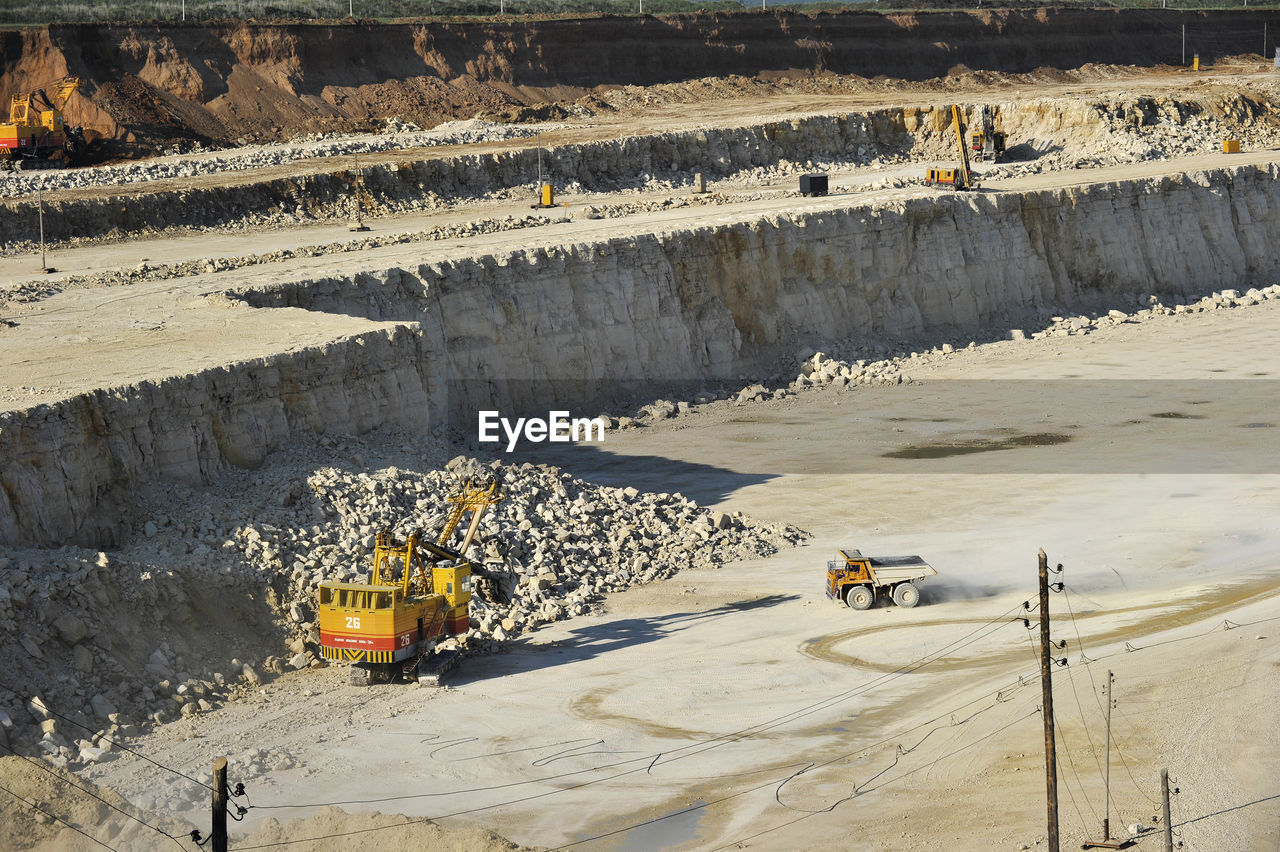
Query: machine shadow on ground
[702,483]
[593,640]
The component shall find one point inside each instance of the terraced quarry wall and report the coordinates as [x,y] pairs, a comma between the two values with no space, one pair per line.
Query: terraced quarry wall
[391,183]
[406,183]
[713,302]
[147,82]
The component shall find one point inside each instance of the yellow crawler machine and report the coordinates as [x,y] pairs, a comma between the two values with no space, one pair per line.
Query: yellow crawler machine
[418,594]
[36,129]
[961,178]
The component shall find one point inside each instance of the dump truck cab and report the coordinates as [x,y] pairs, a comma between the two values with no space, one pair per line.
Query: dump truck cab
[859,580]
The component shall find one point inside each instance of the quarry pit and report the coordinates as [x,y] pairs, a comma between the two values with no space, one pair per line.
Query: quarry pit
[220,393]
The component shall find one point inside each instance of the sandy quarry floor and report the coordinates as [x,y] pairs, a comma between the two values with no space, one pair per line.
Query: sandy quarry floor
[697,702]
[739,708]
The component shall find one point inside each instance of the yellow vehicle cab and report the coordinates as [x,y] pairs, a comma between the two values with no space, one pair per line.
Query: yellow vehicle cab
[418,594]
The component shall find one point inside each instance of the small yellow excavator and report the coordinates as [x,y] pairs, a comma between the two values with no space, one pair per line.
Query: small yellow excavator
[961,178]
[417,596]
[36,129]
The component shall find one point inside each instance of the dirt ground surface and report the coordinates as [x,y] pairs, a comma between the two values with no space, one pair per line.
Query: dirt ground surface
[739,708]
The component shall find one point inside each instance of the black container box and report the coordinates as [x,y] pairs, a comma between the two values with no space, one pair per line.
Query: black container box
[814,184]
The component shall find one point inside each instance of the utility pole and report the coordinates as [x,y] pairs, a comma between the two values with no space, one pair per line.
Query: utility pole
[1106,842]
[1106,804]
[44,267]
[218,834]
[1164,805]
[357,221]
[1046,685]
[1184,45]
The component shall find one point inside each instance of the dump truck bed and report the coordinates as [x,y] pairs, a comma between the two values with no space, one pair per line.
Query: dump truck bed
[898,573]
[879,562]
[894,569]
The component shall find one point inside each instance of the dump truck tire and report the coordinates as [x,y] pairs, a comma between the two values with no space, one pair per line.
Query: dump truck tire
[859,597]
[906,595]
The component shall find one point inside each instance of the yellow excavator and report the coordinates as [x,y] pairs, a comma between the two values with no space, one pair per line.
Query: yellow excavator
[36,129]
[961,178]
[418,595]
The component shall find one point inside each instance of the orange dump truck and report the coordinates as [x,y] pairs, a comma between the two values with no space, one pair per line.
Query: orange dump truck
[859,580]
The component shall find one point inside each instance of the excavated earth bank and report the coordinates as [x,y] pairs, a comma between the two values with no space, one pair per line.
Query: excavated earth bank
[561,323]
[146,83]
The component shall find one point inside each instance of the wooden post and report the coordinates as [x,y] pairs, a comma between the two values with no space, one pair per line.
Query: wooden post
[218,834]
[1106,842]
[1106,805]
[44,266]
[357,221]
[1164,806]
[1046,685]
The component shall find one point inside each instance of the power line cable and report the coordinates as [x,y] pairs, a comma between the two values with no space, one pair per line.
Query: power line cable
[1035,653]
[116,743]
[1084,723]
[737,843]
[1001,696]
[39,765]
[1072,764]
[69,825]
[711,743]
[1129,772]
[700,746]
[813,812]
[860,789]
[1226,625]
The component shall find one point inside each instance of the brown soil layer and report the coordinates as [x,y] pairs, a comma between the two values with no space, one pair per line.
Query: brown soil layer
[146,84]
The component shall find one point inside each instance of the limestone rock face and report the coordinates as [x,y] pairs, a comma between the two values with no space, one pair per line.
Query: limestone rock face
[572,324]
[68,467]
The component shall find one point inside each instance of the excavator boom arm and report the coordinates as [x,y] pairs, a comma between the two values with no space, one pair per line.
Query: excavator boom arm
[964,150]
[66,88]
[472,499]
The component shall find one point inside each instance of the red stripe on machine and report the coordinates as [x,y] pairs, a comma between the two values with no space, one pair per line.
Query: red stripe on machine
[365,642]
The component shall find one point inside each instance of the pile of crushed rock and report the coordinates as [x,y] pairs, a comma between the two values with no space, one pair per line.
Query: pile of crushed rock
[217,589]
[561,542]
